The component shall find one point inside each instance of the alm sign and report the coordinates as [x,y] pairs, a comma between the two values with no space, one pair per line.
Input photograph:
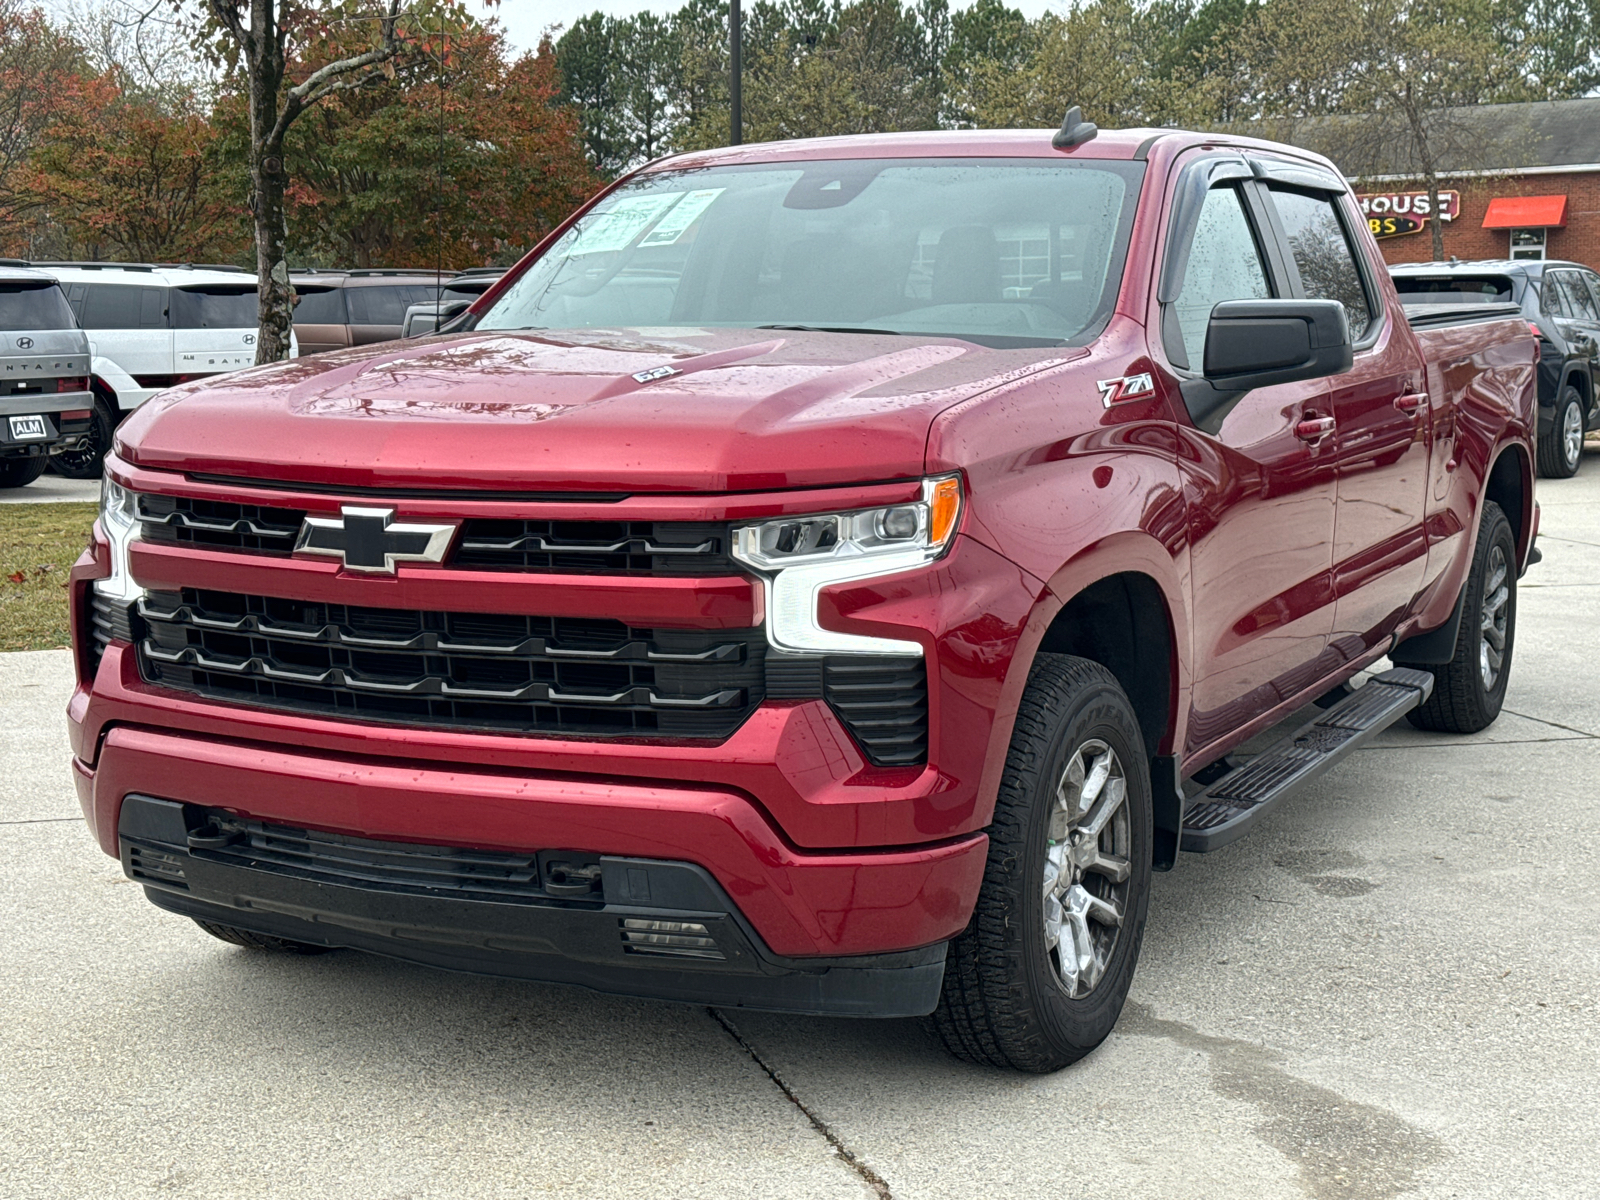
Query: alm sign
[1393,214]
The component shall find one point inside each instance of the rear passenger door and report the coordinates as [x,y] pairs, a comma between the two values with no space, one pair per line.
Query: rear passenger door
[1380,410]
[128,323]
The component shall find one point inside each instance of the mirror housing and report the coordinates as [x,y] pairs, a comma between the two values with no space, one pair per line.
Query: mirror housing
[422,319]
[1257,343]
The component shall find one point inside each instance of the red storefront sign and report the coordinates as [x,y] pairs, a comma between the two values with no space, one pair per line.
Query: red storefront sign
[1393,214]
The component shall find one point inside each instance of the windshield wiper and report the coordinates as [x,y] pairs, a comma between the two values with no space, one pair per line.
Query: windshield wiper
[833,329]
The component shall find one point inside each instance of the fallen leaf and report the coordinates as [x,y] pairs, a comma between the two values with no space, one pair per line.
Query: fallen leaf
[17,577]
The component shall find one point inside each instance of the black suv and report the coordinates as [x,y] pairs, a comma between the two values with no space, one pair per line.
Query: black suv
[1562,302]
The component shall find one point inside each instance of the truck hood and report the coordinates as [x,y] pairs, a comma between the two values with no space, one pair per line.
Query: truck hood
[684,410]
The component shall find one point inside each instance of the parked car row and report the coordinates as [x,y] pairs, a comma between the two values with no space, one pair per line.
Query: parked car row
[151,326]
[1561,301]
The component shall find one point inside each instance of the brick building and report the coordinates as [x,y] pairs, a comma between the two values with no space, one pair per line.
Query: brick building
[1536,196]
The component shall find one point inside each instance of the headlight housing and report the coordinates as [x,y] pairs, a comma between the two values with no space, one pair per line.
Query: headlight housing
[119,518]
[799,556]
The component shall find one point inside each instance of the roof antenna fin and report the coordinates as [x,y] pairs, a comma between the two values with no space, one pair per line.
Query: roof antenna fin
[1074,131]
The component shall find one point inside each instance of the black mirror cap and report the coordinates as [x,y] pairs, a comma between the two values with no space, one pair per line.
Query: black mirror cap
[1258,343]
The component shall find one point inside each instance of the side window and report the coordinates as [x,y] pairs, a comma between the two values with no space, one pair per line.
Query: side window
[384,304]
[1224,264]
[1593,282]
[1577,297]
[1551,301]
[112,306]
[1323,254]
[319,306]
[152,308]
[75,296]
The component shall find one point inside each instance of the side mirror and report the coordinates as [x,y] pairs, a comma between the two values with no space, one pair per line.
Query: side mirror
[1257,343]
[426,318]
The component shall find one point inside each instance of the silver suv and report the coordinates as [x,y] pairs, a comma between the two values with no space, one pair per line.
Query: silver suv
[45,402]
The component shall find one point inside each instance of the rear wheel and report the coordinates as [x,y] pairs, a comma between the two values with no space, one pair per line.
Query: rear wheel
[1561,448]
[259,941]
[1469,690]
[1038,978]
[20,472]
[86,461]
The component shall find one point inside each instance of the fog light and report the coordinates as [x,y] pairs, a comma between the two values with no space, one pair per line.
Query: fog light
[675,939]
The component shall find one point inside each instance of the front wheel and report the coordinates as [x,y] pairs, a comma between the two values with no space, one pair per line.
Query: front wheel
[1561,448]
[1038,978]
[1469,689]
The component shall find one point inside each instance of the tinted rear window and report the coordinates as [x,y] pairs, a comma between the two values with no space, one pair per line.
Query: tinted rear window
[1454,289]
[386,304]
[121,306]
[214,308]
[34,306]
[319,306]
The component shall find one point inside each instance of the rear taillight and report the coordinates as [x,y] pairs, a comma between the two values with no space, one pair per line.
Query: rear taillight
[77,414]
[72,383]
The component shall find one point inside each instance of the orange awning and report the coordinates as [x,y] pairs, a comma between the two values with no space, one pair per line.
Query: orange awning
[1526,212]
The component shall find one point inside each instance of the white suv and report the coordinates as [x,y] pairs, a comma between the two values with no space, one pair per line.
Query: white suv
[151,327]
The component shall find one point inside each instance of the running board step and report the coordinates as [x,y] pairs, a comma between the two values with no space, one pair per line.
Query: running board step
[1226,810]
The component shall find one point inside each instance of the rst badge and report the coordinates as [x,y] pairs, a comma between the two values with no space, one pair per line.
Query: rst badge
[369,539]
[1128,387]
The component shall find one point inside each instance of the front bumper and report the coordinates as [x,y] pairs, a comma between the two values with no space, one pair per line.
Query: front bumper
[604,941]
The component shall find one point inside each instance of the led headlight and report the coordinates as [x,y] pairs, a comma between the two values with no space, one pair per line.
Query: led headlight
[799,556]
[120,520]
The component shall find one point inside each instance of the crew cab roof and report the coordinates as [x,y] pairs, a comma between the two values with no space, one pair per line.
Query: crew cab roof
[1116,144]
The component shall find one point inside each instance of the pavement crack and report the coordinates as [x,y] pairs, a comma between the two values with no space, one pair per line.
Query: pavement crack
[876,1182]
[42,821]
[1552,724]
[1341,1147]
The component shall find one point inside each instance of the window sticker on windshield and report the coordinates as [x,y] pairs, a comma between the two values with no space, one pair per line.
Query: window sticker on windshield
[671,227]
[616,228]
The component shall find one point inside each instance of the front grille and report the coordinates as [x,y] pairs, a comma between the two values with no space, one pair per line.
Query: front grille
[579,676]
[682,548]
[613,547]
[451,871]
[219,525]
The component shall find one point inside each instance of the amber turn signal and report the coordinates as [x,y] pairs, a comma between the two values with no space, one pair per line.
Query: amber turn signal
[944,506]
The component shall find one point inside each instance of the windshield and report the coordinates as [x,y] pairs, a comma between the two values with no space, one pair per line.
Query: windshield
[30,305]
[999,251]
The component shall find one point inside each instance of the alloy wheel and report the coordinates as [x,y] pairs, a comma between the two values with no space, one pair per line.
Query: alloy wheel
[1572,433]
[1087,868]
[1493,617]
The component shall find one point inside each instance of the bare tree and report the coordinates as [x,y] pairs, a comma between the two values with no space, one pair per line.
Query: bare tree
[255,36]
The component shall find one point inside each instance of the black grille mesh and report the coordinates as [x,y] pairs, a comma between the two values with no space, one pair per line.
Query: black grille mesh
[515,673]
[682,548]
[883,702]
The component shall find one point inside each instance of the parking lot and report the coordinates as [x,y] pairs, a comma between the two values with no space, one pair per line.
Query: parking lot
[1389,989]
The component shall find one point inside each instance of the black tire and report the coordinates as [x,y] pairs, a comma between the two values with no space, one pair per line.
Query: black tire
[86,462]
[20,472]
[1558,458]
[1463,701]
[259,941]
[1005,1002]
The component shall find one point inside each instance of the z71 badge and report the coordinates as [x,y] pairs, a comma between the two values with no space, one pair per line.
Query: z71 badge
[1129,387]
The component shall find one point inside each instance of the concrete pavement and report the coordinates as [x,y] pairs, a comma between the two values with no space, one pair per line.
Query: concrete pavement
[52,489]
[1390,988]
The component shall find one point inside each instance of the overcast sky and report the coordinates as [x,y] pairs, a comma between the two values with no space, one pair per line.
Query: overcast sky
[526,19]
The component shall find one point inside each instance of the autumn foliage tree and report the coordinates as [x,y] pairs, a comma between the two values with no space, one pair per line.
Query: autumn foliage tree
[468,158]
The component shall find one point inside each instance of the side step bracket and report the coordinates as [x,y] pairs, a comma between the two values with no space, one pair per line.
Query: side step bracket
[1227,809]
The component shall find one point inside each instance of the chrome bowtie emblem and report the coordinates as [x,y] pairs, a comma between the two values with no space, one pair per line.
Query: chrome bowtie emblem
[369,539]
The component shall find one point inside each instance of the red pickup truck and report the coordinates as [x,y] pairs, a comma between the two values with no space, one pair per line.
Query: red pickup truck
[824,577]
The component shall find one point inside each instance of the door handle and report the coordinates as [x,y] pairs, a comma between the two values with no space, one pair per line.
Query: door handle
[1411,402]
[1314,429]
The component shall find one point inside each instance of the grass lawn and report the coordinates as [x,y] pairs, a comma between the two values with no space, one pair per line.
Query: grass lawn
[38,545]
